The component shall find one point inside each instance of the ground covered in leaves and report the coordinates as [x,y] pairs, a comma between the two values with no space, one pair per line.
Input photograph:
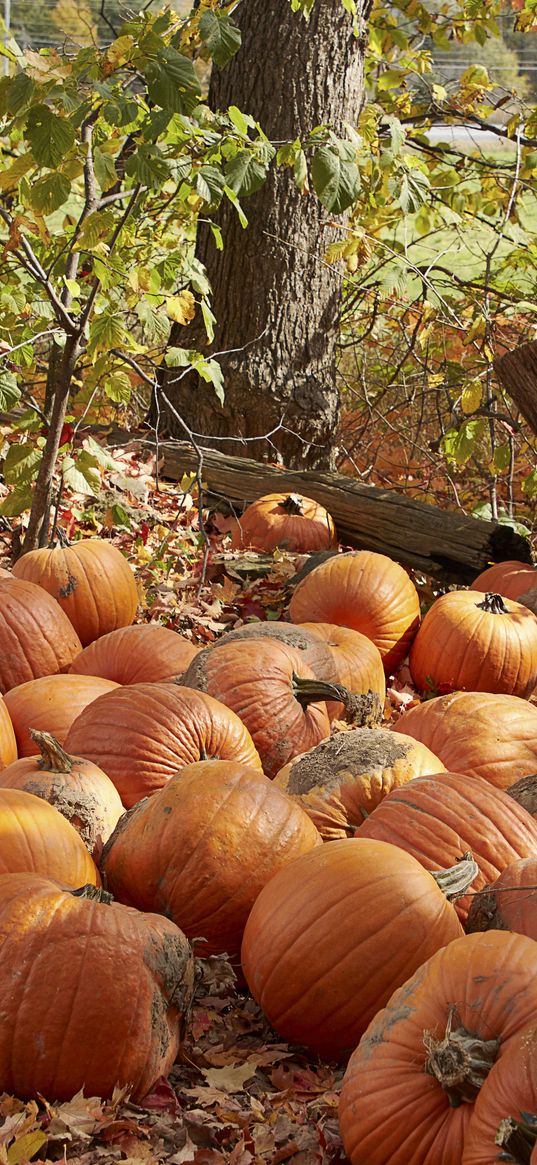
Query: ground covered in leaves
[237,1095]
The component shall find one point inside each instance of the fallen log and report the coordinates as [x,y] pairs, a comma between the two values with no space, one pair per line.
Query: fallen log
[445,544]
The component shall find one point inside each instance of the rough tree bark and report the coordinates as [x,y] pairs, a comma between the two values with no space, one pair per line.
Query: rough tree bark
[271,281]
[517,372]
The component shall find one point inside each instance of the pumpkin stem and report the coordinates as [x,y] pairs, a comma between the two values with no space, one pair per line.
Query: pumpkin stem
[54,758]
[94,894]
[493,604]
[456,880]
[59,536]
[363,709]
[461,1061]
[518,1137]
[293,504]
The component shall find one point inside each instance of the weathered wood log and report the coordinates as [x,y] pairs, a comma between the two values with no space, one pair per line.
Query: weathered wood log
[517,371]
[445,544]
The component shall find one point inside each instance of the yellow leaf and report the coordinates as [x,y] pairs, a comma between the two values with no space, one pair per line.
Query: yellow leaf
[471,396]
[144,554]
[181,308]
[26,1147]
[118,53]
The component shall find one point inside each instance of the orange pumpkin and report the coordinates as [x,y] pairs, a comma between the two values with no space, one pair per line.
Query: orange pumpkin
[482,734]
[36,638]
[271,689]
[476,642]
[51,704]
[343,779]
[510,903]
[367,592]
[439,818]
[332,935]
[289,521]
[36,839]
[203,847]
[145,653]
[8,743]
[352,660]
[78,789]
[92,995]
[143,734]
[511,579]
[505,1112]
[91,581]
[429,1051]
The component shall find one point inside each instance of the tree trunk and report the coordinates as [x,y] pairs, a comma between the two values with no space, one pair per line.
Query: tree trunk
[272,289]
[517,372]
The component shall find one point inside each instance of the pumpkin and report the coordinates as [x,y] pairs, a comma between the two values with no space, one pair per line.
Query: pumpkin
[505,1111]
[93,995]
[272,690]
[475,642]
[427,1053]
[310,646]
[8,743]
[367,592]
[91,581]
[145,653]
[36,638]
[203,847]
[352,660]
[331,936]
[479,733]
[36,839]
[438,818]
[142,734]
[50,704]
[289,521]
[510,903]
[511,579]
[77,788]
[341,780]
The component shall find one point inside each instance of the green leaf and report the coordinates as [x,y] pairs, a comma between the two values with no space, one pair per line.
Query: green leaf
[235,202]
[221,37]
[172,82]
[301,171]
[49,193]
[101,455]
[459,446]
[21,464]
[242,121]
[217,235]
[107,331]
[209,320]
[336,180]
[246,173]
[179,357]
[95,227]
[118,387]
[82,475]
[16,502]
[19,93]
[210,184]
[155,323]
[50,137]
[105,170]
[211,371]
[148,166]
[9,392]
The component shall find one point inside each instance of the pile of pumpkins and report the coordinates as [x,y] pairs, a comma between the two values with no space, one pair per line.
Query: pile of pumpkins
[374,887]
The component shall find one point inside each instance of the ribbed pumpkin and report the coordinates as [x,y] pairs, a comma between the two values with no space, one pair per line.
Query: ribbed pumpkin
[366,591]
[332,935]
[8,743]
[511,579]
[510,903]
[504,1120]
[36,638]
[479,733]
[476,642]
[343,779]
[408,1092]
[289,521]
[202,848]
[352,660]
[36,839]
[143,734]
[145,653]
[439,818]
[51,704]
[92,994]
[77,788]
[275,694]
[91,581]
[311,647]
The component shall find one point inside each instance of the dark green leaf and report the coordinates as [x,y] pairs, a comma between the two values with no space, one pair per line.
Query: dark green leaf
[148,166]
[107,331]
[172,82]
[336,181]
[19,500]
[21,464]
[20,92]
[9,392]
[221,36]
[105,170]
[246,173]
[49,193]
[50,137]
[210,184]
